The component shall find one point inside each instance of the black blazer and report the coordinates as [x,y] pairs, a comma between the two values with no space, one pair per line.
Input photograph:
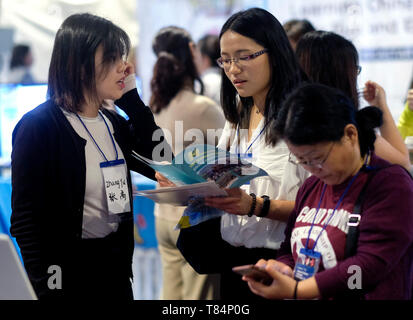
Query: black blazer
[48,184]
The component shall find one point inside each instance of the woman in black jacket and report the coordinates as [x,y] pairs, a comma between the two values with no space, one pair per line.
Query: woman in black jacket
[72,212]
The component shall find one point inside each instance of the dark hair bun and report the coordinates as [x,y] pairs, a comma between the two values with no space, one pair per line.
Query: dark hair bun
[369,117]
[367,120]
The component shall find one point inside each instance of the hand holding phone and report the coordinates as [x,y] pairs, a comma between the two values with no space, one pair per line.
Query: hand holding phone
[255,273]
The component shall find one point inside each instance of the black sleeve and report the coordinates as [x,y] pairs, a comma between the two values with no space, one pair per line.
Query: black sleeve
[145,137]
[205,250]
[29,179]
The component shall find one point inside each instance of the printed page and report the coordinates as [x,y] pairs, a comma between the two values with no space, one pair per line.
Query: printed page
[178,174]
[213,164]
[201,163]
[183,195]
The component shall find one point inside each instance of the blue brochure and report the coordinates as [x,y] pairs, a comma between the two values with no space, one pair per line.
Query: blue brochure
[196,165]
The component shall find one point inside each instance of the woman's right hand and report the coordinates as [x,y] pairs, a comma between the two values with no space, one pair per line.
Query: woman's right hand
[163,182]
[277,265]
[282,287]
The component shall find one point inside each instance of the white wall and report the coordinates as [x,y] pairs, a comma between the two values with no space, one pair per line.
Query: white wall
[381,30]
[36,22]
[375,27]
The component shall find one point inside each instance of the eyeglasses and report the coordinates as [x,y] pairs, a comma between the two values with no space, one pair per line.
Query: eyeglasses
[225,63]
[311,163]
[358,69]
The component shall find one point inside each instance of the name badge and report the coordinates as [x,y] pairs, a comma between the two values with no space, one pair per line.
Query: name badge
[116,186]
[307,264]
[246,158]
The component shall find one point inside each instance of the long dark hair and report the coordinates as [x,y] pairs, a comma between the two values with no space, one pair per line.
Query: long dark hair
[72,67]
[330,59]
[316,113]
[262,27]
[174,66]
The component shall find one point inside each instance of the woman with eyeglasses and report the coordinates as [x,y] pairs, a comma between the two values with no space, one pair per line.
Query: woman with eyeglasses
[330,59]
[259,70]
[321,256]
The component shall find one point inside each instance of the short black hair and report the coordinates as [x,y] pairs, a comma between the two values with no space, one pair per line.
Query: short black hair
[72,66]
[315,113]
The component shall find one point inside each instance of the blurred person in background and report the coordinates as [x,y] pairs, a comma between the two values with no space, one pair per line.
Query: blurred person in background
[178,110]
[295,29]
[20,64]
[405,124]
[330,59]
[208,68]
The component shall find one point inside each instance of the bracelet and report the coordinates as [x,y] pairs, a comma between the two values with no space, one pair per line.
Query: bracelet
[295,290]
[265,207]
[254,203]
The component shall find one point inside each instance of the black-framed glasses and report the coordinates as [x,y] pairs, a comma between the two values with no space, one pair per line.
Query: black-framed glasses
[225,63]
[310,163]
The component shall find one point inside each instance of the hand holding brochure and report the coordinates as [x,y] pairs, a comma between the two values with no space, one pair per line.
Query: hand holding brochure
[199,171]
[182,195]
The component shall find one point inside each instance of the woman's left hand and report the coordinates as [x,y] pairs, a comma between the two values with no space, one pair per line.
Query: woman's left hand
[281,288]
[163,181]
[238,202]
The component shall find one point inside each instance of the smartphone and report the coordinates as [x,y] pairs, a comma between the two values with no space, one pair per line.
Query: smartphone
[255,273]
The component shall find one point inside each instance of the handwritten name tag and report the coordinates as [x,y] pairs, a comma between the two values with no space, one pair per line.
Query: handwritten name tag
[116,186]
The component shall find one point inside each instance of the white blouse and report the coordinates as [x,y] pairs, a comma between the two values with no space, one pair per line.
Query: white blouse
[282,183]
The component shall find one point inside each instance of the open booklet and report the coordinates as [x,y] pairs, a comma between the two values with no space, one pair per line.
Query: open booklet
[199,171]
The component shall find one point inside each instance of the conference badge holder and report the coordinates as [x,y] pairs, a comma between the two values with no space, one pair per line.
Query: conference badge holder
[307,264]
[116,186]
[246,158]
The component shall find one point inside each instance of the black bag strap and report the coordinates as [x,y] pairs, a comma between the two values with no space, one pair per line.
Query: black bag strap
[355,217]
[354,220]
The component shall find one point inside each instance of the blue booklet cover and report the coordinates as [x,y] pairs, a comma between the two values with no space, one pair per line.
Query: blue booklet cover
[199,164]
[202,163]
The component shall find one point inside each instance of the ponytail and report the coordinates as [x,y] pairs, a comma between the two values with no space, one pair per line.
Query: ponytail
[175,67]
[168,78]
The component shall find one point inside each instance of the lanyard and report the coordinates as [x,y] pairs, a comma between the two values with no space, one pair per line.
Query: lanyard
[337,205]
[110,134]
[249,147]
